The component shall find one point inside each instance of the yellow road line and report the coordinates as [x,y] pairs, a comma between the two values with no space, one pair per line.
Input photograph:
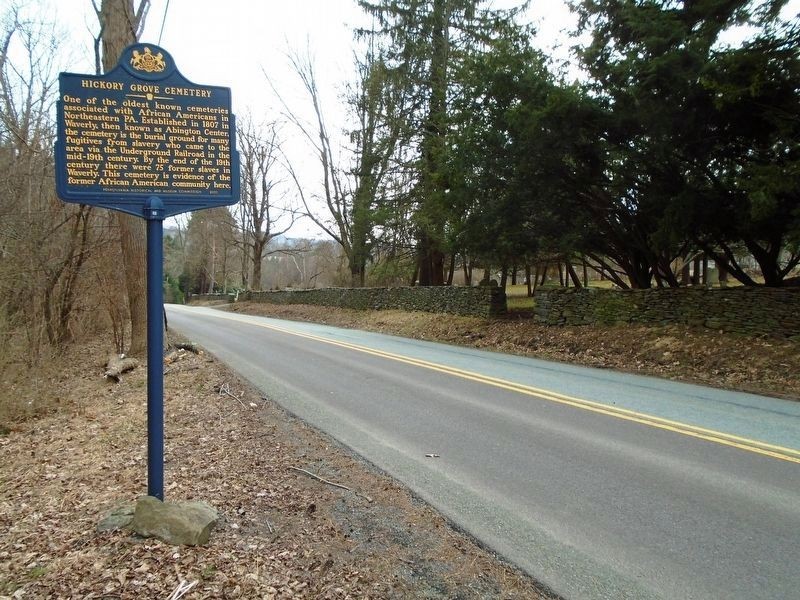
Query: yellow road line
[718,437]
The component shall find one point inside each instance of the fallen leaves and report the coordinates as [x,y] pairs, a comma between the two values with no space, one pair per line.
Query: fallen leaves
[282,534]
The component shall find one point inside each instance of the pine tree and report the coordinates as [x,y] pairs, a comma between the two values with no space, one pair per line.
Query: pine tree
[424,43]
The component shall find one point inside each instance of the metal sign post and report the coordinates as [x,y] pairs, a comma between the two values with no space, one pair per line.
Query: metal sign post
[154,213]
[144,140]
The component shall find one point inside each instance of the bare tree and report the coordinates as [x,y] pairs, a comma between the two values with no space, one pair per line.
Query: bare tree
[261,210]
[210,250]
[334,193]
[120,26]
[353,193]
[44,244]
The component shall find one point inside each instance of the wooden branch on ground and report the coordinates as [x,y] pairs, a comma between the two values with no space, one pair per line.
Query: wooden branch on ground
[174,351]
[333,483]
[189,346]
[224,388]
[117,365]
[183,588]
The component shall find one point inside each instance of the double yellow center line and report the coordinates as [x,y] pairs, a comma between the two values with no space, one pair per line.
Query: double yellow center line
[717,437]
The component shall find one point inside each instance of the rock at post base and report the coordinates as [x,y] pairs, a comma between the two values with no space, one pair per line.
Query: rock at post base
[120,517]
[181,524]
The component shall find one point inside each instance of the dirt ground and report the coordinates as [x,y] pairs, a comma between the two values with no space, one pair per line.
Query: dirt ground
[283,533]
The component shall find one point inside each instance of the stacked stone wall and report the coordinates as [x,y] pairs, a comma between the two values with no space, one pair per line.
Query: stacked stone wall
[481,301]
[227,298]
[744,310]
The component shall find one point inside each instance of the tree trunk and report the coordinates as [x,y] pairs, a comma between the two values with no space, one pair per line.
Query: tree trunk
[213,270]
[585,274]
[705,270]
[514,274]
[723,275]
[686,275]
[357,275]
[117,365]
[696,273]
[663,269]
[133,242]
[430,262]
[723,255]
[244,257]
[224,266]
[119,25]
[258,252]
[467,266]
[573,275]
[610,272]
[528,279]
[452,269]
[503,276]
[638,269]
[767,259]
[429,250]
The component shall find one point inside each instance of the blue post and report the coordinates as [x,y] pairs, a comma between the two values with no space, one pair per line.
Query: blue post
[154,213]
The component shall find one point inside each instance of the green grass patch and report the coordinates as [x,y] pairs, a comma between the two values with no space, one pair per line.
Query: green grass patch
[519,303]
[605,284]
[517,290]
[37,572]
[208,572]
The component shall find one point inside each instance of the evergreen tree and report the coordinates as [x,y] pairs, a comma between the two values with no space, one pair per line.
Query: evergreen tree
[425,42]
[703,136]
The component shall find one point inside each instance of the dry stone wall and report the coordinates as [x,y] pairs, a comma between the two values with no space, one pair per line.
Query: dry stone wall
[469,301]
[745,310]
[228,298]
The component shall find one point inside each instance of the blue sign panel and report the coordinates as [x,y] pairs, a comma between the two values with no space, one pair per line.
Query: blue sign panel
[141,131]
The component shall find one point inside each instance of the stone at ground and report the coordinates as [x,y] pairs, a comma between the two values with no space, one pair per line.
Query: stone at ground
[181,524]
[119,517]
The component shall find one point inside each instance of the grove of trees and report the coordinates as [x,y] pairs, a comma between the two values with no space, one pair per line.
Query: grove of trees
[678,144]
[466,148]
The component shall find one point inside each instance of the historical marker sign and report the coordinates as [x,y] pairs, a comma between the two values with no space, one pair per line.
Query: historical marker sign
[144,130]
[144,140]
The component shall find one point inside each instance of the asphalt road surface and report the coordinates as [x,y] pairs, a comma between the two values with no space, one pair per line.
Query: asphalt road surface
[599,484]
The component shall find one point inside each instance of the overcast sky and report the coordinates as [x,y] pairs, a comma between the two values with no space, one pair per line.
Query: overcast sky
[233,43]
[238,43]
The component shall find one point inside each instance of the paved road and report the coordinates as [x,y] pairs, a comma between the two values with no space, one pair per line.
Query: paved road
[599,484]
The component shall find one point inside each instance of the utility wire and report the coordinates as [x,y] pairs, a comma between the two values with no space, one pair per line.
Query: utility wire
[163,20]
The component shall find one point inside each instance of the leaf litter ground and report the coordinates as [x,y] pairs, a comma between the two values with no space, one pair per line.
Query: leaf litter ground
[283,533]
